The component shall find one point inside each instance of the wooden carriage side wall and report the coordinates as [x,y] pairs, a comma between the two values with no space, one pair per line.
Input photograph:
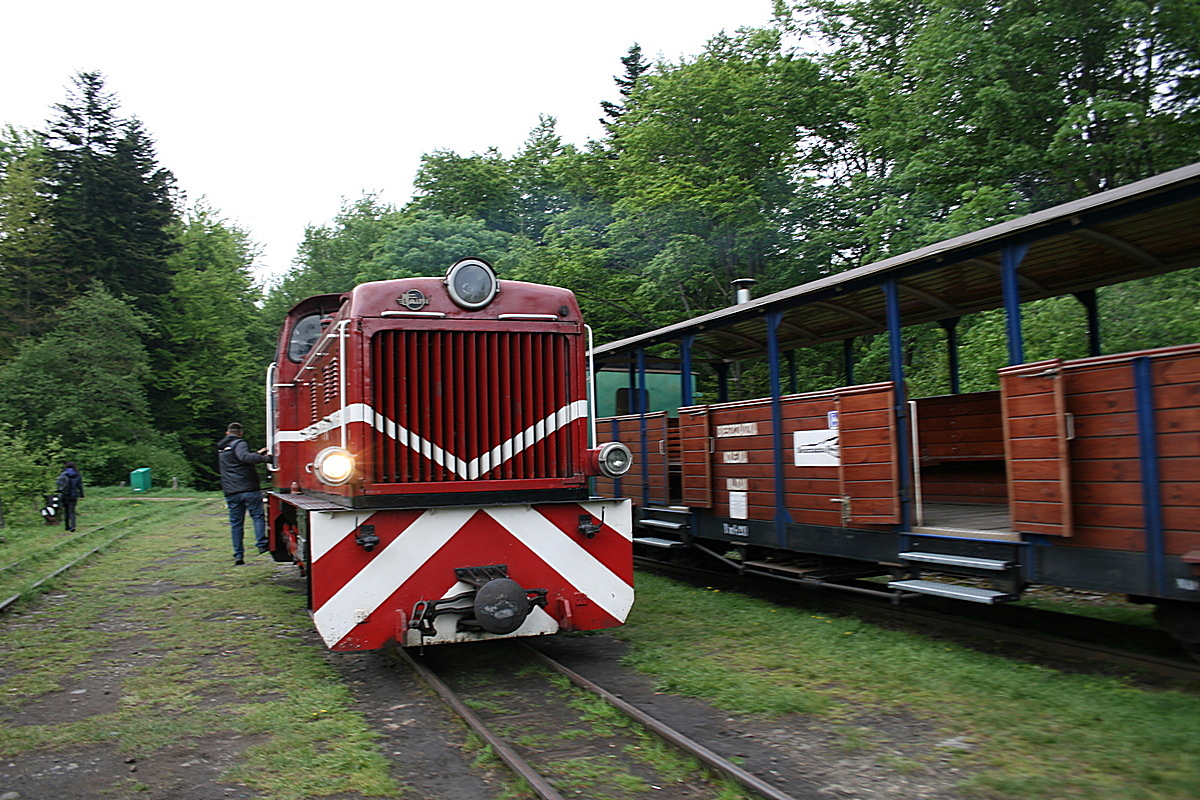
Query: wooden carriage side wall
[1106,466]
[743,460]
[739,454]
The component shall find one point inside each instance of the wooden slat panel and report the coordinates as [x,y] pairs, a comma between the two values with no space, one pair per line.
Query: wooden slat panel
[695,463]
[1035,435]
[869,471]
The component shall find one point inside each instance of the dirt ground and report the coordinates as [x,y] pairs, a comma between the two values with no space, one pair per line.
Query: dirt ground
[806,757]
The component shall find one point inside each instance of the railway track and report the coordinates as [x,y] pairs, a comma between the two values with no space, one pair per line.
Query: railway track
[553,737]
[66,548]
[1071,636]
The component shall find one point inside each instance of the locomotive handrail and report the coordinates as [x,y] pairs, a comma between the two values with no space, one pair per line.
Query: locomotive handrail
[341,334]
[271,389]
[320,347]
[594,436]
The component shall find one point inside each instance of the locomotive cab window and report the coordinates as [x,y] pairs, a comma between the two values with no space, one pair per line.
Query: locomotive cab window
[306,333]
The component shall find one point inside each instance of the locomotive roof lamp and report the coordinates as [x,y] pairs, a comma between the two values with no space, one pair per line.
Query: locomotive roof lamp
[472,283]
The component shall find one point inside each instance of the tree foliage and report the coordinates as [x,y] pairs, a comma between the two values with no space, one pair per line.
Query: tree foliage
[771,157]
[82,384]
[111,206]
[26,473]
[130,329]
[214,346]
[843,132]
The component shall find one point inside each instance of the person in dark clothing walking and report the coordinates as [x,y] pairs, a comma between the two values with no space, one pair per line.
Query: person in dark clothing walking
[239,482]
[69,488]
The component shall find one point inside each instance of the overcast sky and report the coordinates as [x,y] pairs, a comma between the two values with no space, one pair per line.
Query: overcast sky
[275,112]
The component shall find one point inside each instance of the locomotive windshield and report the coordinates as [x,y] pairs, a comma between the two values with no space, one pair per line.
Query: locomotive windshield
[304,336]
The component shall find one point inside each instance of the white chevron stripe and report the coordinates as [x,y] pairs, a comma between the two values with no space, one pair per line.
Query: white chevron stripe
[468,470]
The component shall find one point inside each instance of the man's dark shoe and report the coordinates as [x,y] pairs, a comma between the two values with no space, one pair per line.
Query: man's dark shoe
[238,562]
[262,550]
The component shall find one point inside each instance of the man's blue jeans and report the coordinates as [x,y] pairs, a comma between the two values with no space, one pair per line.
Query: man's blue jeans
[238,505]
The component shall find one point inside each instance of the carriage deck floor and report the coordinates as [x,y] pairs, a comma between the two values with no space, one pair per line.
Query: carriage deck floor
[974,520]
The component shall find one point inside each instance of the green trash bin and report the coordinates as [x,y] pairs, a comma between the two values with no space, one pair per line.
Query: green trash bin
[139,479]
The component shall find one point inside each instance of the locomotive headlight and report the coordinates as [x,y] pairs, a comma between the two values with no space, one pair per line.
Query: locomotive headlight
[613,459]
[334,466]
[472,283]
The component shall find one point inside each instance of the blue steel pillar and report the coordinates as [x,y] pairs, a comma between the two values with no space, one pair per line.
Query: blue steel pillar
[848,359]
[685,371]
[950,326]
[641,412]
[722,382]
[1010,259]
[1088,299]
[782,518]
[900,412]
[1143,388]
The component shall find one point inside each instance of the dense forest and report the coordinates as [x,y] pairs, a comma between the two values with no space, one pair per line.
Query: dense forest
[843,132]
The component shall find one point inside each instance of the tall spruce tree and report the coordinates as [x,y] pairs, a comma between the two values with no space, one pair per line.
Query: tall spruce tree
[634,68]
[111,206]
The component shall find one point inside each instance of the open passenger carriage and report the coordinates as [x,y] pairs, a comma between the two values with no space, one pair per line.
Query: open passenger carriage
[1080,473]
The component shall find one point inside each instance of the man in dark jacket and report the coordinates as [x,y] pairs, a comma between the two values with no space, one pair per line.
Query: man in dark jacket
[69,488]
[239,482]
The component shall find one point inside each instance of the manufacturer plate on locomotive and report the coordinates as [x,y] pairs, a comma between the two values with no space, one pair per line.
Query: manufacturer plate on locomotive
[413,300]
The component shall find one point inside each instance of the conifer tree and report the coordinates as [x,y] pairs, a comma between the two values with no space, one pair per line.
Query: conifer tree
[634,68]
[111,205]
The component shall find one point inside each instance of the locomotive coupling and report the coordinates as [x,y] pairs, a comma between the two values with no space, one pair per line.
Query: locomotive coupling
[498,604]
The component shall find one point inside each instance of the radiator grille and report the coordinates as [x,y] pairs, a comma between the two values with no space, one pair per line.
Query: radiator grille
[447,402]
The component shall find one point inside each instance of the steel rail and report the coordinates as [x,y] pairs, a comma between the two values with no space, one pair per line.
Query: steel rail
[11,601]
[537,783]
[42,554]
[727,768]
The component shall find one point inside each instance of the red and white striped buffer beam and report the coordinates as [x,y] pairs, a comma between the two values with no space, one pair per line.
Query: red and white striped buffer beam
[362,600]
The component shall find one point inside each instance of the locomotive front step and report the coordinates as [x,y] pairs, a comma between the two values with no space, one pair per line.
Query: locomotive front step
[969,593]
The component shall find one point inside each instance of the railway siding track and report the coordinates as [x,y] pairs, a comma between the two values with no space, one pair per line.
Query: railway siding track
[562,734]
[32,572]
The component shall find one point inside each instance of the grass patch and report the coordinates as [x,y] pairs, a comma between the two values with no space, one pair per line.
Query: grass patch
[219,651]
[1107,608]
[1037,733]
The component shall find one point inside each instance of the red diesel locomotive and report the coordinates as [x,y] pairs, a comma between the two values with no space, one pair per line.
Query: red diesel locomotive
[433,449]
